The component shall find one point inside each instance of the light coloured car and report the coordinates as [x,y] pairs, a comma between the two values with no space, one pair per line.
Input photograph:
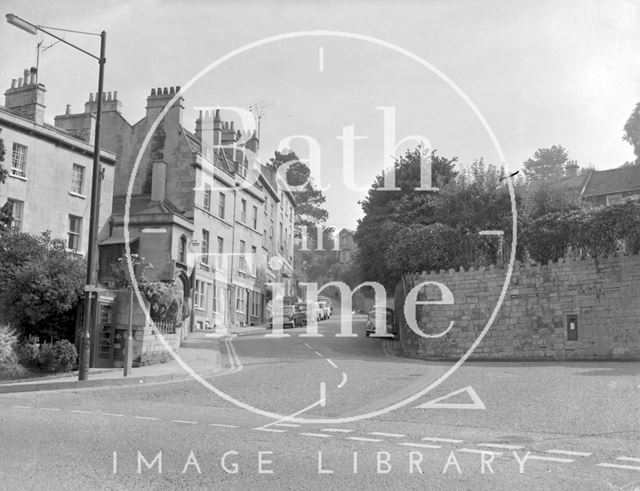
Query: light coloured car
[325,310]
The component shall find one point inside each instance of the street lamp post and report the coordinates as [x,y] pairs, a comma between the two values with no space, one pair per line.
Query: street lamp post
[90,287]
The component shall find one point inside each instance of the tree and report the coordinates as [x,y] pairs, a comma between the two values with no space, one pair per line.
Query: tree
[388,212]
[632,131]
[547,164]
[309,201]
[40,284]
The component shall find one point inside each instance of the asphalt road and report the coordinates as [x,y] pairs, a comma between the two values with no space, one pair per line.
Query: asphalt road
[510,426]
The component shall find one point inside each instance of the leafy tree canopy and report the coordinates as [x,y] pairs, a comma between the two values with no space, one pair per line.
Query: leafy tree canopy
[547,164]
[40,284]
[632,131]
[309,201]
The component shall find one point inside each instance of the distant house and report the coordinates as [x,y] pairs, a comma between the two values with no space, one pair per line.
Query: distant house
[613,185]
[602,187]
[346,245]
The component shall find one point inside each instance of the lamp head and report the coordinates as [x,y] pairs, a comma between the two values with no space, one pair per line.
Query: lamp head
[16,21]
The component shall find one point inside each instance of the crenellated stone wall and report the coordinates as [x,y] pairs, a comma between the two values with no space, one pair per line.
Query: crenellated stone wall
[600,296]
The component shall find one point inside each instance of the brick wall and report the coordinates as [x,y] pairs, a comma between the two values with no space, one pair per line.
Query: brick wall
[603,295]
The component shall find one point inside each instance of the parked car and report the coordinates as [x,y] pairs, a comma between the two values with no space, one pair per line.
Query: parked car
[327,300]
[288,316]
[389,314]
[325,310]
[300,314]
[318,309]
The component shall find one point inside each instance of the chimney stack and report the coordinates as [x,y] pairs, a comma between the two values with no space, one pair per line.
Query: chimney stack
[571,169]
[25,98]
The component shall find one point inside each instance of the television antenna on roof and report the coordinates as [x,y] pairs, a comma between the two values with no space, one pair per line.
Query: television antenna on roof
[258,113]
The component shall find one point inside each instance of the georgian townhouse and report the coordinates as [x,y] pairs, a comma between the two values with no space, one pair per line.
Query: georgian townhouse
[49,169]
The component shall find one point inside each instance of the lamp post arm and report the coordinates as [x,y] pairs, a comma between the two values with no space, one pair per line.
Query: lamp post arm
[68,43]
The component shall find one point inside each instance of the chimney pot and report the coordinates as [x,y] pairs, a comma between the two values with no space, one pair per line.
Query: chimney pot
[90,96]
[165,91]
[109,95]
[68,110]
[153,92]
[115,95]
[14,83]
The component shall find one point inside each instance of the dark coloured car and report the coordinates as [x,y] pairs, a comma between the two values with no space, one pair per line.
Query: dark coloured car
[288,312]
[389,316]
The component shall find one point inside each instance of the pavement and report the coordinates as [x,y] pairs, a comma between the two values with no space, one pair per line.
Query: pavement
[200,351]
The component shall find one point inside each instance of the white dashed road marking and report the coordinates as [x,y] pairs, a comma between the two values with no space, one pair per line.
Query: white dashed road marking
[78,411]
[271,430]
[570,452]
[319,435]
[550,459]
[182,421]
[222,425]
[419,445]
[362,439]
[118,415]
[620,466]
[628,459]
[287,425]
[331,363]
[49,409]
[336,430]
[436,439]
[21,407]
[500,445]
[390,435]
[148,417]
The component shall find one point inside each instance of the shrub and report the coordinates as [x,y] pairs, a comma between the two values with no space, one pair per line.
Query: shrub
[66,355]
[28,351]
[56,357]
[8,358]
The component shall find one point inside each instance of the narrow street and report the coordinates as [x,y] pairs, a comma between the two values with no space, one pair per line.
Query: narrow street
[569,425]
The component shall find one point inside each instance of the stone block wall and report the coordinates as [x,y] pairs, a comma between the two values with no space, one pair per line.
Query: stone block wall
[601,297]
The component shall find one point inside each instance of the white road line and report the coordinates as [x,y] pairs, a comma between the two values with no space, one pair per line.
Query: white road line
[620,466]
[81,412]
[21,407]
[319,354]
[49,409]
[336,430]
[343,381]
[112,414]
[221,425]
[628,459]
[287,425]
[550,459]
[147,417]
[321,59]
[331,363]
[271,430]
[362,439]
[436,439]
[308,346]
[500,445]
[392,435]
[569,452]
[475,450]
[320,435]
[419,445]
[184,422]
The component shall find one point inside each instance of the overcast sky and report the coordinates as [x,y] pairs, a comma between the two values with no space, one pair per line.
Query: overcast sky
[541,73]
